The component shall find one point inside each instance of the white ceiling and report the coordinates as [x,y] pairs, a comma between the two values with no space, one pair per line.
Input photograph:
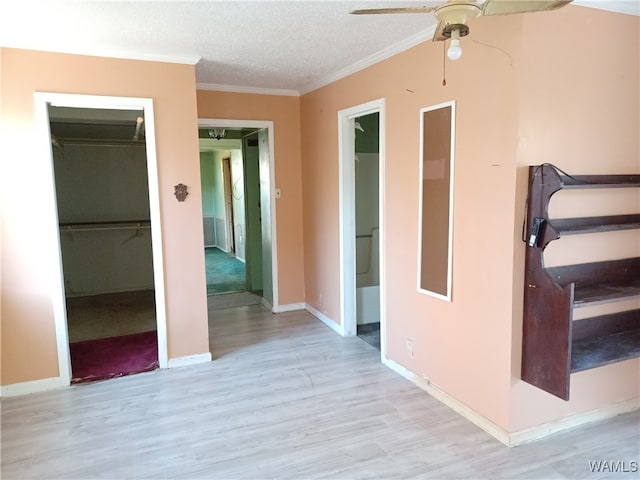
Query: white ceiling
[286,47]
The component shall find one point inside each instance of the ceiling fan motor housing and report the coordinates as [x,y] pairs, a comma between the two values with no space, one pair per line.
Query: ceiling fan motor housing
[455,16]
[461,27]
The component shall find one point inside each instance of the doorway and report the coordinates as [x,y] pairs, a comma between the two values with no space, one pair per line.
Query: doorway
[110,318]
[361,142]
[238,212]
[367,216]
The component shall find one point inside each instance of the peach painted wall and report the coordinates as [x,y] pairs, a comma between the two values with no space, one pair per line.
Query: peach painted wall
[579,108]
[284,112]
[470,348]
[28,335]
[445,335]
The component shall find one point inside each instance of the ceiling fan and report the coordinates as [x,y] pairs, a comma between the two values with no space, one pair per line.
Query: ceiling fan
[453,15]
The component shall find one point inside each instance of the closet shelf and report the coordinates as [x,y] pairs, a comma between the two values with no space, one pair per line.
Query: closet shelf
[574,226]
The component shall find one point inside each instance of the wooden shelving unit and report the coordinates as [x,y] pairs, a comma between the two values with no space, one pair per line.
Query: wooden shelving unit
[573,226]
[555,346]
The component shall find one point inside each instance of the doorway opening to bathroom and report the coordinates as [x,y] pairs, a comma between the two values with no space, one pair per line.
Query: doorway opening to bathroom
[367,209]
[110,318]
[238,216]
[361,132]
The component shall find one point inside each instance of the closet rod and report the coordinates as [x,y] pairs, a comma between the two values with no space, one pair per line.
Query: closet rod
[89,142]
[96,226]
[370,234]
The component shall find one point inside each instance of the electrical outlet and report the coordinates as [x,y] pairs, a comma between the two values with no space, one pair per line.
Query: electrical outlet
[410,347]
[278,193]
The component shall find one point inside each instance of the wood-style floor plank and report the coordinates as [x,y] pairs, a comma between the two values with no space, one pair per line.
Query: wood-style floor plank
[284,398]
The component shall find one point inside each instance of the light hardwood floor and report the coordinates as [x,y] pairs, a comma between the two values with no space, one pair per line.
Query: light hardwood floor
[285,397]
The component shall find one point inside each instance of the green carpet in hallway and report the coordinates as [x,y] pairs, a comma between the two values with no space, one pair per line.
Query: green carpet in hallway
[224,273]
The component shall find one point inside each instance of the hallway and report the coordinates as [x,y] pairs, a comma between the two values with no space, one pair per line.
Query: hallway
[285,397]
[225,273]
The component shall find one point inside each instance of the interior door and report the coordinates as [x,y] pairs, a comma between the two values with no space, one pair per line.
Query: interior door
[253,213]
[228,204]
[265,213]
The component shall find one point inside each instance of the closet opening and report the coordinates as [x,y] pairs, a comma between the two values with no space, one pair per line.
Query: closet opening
[102,189]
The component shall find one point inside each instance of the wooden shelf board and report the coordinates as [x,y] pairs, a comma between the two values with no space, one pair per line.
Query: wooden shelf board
[587,295]
[600,181]
[573,226]
[603,325]
[599,351]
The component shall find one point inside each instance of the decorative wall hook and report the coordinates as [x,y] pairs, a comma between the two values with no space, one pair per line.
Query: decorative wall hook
[181,192]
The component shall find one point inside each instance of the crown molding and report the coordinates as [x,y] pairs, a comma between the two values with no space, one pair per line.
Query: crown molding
[106,53]
[239,89]
[148,57]
[377,57]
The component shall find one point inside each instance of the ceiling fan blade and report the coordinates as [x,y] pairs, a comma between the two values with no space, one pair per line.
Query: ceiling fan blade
[508,7]
[377,11]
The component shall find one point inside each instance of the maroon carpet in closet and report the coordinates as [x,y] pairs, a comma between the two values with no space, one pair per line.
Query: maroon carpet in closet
[104,358]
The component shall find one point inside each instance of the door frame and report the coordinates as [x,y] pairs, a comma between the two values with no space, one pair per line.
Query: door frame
[52,234]
[347,202]
[268,125]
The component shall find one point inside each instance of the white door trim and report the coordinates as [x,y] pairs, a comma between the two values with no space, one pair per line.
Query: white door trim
[51,231]
[268,125]
[346,166]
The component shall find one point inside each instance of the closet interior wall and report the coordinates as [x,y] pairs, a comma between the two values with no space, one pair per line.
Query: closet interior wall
[103,210]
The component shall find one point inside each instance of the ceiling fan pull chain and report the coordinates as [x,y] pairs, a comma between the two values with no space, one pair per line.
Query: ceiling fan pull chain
[444,65]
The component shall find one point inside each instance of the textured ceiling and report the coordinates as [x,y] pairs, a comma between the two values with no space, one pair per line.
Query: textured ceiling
[283,46]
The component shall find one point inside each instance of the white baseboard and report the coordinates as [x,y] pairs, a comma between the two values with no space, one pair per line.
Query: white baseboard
[523,436]
[289,307]
[336,327]
[189,360]
[572,421]
[474,417]
[33,386]
[266,305]
[53,383]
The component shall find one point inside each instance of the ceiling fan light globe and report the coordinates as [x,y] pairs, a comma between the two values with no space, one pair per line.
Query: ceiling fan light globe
[455,50]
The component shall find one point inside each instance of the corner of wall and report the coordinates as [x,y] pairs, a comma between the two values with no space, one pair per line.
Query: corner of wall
[335,326]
